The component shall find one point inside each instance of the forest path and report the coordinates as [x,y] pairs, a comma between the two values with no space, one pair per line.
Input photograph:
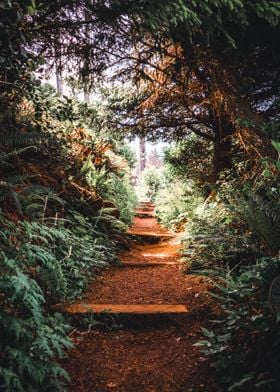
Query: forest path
[158,311]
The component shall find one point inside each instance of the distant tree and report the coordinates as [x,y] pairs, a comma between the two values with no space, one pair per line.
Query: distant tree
[153,159]
[142,153]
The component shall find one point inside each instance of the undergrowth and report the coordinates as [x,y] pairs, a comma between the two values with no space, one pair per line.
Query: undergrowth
[66,200]
[231,234]
[244,342]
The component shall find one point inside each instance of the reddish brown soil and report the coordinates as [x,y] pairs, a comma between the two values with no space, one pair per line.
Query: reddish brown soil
[148,225]
[156,285]
[148,353]
[165,251]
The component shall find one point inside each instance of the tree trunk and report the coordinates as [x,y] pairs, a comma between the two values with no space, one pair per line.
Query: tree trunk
[86,95]
[142,153]
[59,79]
[222,149]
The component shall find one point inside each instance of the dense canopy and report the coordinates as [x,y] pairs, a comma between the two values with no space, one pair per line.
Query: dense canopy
[203,76]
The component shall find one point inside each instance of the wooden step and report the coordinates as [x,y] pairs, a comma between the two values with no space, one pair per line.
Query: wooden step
[143,211]
[150,234]
[143,215]
[148,264]
[124,309]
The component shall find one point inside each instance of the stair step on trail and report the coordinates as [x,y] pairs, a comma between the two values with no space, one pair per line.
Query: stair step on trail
[150,234]
[144,214]
[143,309]
[148,264]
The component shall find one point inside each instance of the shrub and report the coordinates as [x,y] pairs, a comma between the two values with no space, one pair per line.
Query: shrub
[31,338]
[152,181]
[244,343]
[176,203]
[42,263]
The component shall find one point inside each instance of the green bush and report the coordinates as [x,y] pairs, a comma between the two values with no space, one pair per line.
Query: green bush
[152,181]
[114,187]
[121,192]
[244,343]
[190,158]
[177,202]
[31,338]
[43,263]
[256,203]
[215,236]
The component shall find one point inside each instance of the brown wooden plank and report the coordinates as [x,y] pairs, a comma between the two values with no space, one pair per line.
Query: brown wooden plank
[144,212]
[125,309]
[148,264]
[143,216]
[149,234]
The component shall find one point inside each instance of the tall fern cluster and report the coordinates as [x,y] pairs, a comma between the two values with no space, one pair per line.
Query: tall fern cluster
[244,342]
[41,264]
[262,213]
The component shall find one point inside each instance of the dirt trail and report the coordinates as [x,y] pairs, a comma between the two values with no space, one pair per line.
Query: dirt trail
[147,352]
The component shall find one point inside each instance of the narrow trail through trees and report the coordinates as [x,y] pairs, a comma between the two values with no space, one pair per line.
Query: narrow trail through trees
[158,314]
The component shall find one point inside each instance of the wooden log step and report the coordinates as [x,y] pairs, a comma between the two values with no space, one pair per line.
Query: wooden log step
[143,212]
[148,264]
[125,309]
[150,234]
[144,215]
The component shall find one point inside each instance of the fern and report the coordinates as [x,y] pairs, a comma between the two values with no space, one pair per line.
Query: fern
[22,322]
[50,262]
[38,201]
[14,138]
[4,157]
[263,218]
[238,342]
[268,269]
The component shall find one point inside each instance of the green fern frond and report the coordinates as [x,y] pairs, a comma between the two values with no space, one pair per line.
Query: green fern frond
[16,138]
[6,156]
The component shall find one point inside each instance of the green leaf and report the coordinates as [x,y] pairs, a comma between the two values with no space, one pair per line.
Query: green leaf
[30,10]
[276,145]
